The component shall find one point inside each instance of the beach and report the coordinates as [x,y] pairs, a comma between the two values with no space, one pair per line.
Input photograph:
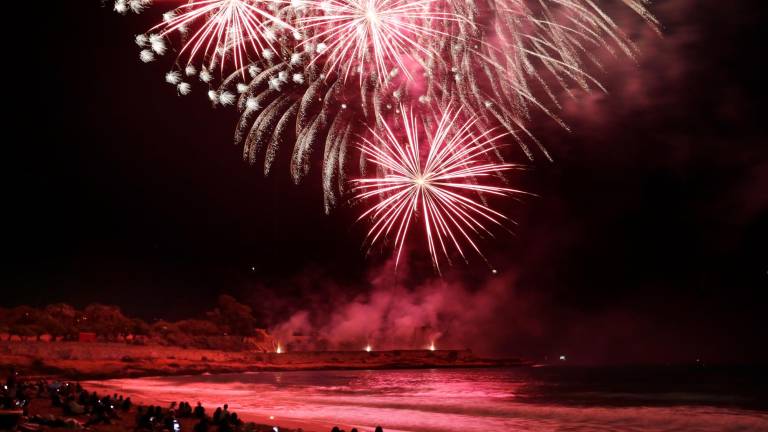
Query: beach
[639,399]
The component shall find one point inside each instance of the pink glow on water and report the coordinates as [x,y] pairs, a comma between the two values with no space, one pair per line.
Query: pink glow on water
[417,401]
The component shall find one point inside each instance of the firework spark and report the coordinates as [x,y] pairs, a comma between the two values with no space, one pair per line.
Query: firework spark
[499,60]
[222,28]
[440,183]
[356,33]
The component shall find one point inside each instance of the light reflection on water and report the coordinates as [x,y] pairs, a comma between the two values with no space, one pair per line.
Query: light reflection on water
[458,400]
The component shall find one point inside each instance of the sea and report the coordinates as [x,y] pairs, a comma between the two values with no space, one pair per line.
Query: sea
[535,399]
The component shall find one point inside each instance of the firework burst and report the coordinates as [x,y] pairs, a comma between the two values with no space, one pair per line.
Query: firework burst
[223,28]
[442,182]
[373,36]
[495,61]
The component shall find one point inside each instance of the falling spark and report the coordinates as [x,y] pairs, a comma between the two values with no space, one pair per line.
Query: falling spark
[441,187]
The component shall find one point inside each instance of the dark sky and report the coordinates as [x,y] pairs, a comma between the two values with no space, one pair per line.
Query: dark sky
[648,238]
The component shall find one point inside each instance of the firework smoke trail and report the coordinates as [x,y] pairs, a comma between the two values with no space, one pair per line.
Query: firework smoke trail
[436,182]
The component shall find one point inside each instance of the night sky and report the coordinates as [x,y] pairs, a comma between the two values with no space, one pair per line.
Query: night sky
[647,240]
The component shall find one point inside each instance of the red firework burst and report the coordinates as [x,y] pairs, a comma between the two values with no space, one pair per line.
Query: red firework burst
[441,183]
[223,27]
[373,35]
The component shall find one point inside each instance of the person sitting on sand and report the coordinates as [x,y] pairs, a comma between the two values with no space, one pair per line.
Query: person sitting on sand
[72,407]
[12,379]
[234,421]
[148,418]
[158,415]
[56,399]
[98,415]
[202,425]
[145,420]
[170,420]
[82,398]
[225,426]
[139,416]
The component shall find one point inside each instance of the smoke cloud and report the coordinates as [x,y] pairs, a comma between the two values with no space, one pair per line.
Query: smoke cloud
[396,314]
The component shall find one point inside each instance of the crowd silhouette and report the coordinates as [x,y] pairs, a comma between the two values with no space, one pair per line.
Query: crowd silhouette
[80,409]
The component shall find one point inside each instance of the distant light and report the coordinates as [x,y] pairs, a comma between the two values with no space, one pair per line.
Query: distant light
[274,428]
[494,271]
[368,348]
[432,347]
[562,357]
[271,417]
[279,349]
[253,268]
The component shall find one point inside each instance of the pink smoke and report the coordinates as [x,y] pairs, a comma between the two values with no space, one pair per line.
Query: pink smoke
[393,316]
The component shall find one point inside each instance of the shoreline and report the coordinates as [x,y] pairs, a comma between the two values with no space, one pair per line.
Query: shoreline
[42,408]
[102,361]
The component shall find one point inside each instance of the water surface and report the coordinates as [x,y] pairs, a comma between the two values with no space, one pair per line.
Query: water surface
[474,400]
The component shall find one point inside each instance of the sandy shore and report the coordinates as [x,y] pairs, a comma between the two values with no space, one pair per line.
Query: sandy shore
[127,421]
[81,361]
[95,362]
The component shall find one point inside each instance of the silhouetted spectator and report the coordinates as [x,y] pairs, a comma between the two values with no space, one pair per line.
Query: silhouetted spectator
[12,379]
[201,426]
[234,421]
[379,429]
[72,407]
[199,411]
[83,398]
[139,416]
[225,426]
[170,420]
[98,415]
[158,415]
